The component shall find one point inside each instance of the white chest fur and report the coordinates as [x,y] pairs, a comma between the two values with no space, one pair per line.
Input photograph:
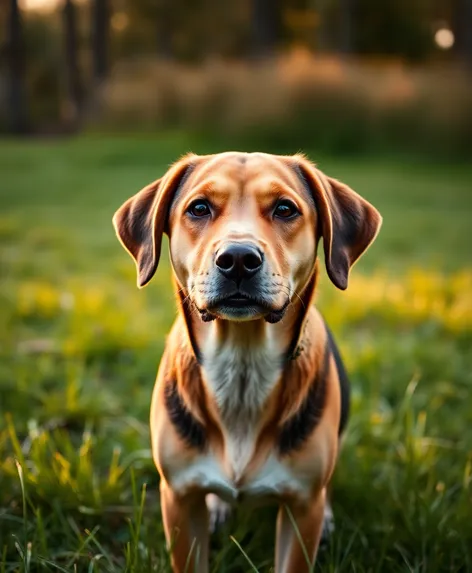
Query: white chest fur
[240,375]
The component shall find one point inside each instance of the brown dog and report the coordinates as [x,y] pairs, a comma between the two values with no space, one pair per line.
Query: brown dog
[251,396]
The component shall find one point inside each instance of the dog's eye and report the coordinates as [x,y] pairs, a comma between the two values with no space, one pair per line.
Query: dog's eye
[199,208]
[285,209]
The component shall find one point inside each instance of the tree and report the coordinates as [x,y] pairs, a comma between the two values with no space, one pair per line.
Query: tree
[73,76]
[462,24]
[392,28]
[100,38]
[17,117]
[347,25]
[164,29]
[265,26]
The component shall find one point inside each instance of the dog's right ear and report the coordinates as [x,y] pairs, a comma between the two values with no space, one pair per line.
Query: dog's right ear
[141,221]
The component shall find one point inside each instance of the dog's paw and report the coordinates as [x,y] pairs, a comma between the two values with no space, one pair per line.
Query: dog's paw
[328,524]
[218,510]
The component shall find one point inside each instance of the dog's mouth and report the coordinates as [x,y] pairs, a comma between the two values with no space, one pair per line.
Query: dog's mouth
[241,301]
[242,306]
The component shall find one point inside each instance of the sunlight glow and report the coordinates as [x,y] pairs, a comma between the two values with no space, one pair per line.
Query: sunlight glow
[44,5]
[444,38]
[40,5]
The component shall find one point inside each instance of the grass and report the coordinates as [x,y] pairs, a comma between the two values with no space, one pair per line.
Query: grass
[80,346]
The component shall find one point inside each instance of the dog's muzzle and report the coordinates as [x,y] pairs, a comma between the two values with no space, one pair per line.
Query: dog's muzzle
[240,288]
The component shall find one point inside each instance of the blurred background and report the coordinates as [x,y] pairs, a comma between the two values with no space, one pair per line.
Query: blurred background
[362,74]
[97,99]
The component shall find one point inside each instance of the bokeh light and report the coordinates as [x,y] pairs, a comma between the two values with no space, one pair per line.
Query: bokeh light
[444,38]
[119,21]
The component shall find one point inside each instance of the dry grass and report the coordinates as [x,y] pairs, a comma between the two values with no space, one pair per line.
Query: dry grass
[299,100]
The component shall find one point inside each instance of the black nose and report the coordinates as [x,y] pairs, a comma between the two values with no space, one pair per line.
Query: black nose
[238,261]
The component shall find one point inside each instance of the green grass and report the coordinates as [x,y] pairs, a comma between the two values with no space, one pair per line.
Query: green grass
[80,345]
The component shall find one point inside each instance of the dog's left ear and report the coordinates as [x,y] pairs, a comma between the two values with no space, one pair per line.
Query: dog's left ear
[141,221]
[348,223]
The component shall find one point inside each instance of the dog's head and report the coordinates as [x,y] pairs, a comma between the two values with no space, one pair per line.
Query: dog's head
[243,230]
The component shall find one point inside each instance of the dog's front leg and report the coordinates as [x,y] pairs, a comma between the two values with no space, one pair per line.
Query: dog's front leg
[305,523]
[186,529]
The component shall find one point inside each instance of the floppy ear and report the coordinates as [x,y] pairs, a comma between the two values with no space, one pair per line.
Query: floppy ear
[349,223]
[140,222]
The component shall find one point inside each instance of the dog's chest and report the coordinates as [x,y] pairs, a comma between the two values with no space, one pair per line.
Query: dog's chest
[240,379]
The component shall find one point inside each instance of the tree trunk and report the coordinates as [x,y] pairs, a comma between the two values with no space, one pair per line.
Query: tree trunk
[347,27]
[463,31]
[17,113]
[164,30]
[75,91]
[265,27]
[100,37]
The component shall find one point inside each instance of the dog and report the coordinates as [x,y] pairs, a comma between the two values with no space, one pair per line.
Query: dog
[251,398]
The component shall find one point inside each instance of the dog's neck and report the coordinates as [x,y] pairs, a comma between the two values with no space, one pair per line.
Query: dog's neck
[241,362]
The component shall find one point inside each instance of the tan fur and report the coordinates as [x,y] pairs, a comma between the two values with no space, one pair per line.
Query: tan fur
[228,381]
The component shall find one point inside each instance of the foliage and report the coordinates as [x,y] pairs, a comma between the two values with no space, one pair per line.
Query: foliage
[80,345]
[326,104]
[102,34]
[402,27]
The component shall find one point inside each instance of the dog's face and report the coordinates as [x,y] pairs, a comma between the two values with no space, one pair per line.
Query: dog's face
[242,237]
[244,229]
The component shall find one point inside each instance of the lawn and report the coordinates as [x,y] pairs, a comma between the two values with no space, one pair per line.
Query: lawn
[80,344]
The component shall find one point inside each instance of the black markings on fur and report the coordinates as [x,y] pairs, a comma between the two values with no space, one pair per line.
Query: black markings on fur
[276,315]
[299,427]
[187,311]
[206,316]
[298,343]
[343,381]
[187,427]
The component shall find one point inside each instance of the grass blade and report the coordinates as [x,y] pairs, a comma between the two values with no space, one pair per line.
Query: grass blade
[300,540]
[245,555]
